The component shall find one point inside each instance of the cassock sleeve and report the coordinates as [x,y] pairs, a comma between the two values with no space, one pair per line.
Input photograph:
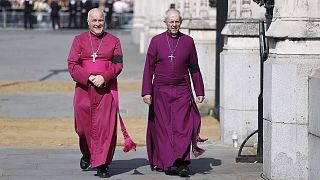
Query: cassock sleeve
[149,69]
[117,63]
[194,70]
[78,74]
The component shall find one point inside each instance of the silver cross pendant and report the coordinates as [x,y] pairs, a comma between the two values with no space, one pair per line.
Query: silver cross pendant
[94,55]
[171,56]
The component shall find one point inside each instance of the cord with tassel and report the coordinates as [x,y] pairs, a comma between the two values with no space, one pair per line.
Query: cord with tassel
[128,142]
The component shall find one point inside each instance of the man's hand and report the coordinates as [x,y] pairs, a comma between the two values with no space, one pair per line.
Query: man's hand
[200,99]
[97,80]
[91,78]
[147,99]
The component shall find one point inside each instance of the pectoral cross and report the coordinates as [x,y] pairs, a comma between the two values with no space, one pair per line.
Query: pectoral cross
[171,56]
[94,55]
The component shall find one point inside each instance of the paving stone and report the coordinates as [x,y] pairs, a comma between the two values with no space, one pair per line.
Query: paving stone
[218,162]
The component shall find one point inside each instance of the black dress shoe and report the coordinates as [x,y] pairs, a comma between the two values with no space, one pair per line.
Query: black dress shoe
[155,168]
[84,162]
[183,171]
[171,171]
[103,172]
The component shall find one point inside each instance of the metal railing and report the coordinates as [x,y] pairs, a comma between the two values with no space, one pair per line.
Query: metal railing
[10,18]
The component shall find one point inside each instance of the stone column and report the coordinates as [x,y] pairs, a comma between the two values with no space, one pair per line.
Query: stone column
[314,125]
[240,71]
[200,21]
[139,20]
[294,53]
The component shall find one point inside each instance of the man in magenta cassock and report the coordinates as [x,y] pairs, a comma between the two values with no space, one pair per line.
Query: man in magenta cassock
[174,119]
[94,62]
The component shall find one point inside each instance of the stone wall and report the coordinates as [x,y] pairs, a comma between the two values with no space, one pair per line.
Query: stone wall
[314,125]
[294,54]
[240,71]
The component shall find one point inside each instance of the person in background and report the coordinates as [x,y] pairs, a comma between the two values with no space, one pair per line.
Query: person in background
[73,6]
[40,6]
[120,7]
[5,4]
[28,18]
[85,6]
[109,11]
[54,14]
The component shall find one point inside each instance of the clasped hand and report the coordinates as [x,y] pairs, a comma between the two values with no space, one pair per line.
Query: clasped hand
[97,80]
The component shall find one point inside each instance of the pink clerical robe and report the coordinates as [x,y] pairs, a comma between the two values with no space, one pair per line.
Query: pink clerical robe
[95,108]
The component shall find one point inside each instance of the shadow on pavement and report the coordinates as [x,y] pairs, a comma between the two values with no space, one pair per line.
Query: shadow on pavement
[123,166]
[53,72]
[198,166]
[203,165]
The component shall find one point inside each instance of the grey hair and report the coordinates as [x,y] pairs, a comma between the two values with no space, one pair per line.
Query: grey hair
[89,13]
[172,9]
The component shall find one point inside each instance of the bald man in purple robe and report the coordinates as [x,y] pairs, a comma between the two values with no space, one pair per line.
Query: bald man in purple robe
[174,120]
[94,62]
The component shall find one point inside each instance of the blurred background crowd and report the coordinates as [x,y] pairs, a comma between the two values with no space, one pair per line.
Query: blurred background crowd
[62,13]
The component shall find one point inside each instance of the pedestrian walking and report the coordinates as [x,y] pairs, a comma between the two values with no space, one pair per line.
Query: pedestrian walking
[94,62]
[174,120]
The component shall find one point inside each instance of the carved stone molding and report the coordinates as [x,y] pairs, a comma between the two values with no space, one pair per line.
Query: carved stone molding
[241,28]
[295,19]
[233,9]
[246,9]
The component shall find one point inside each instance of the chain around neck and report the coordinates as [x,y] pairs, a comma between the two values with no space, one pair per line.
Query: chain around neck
[172,51]
[92,45]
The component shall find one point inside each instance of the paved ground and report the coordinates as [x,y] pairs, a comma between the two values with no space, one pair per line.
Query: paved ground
[31,56]
[63,164]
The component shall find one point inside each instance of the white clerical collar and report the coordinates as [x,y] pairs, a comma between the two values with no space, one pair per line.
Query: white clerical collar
[97,36]
[173,35]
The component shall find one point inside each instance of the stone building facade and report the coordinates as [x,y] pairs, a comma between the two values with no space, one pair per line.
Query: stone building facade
[240,71]
[294,54]
[291,79]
